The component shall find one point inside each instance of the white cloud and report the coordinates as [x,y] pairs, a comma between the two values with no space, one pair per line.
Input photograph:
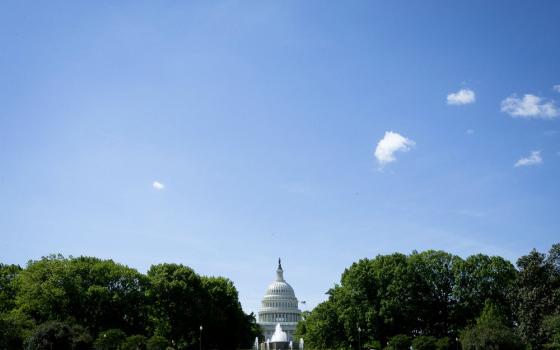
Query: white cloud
[556,88]
[158,185]
[530,106]
[534,159]
[469,131]
[461,97]
[391,143]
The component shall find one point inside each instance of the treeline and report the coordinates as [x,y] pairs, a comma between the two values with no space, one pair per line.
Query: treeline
[89,303]
[435,300]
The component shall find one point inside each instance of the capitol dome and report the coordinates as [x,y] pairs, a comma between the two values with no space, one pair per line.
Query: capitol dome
[279,306]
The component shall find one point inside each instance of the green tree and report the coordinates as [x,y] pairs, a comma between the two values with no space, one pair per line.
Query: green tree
[157,343]
[443,343]
[322,329]
[82,339]
[424,343]
[538,293]
[490,333]
[15,328]
[52,335]
[399,342]
[110,339]
[551,327]
[374,295]
[99,294]
[431,293]
[433,303]
[134,342]
[8,273]
[226,326]
[176,298]
[482,278]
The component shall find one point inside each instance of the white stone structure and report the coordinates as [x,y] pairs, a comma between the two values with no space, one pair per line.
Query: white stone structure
[279,306]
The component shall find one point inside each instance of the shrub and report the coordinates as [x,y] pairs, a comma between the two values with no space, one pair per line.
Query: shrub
[442,344]
[157,342]
[399,342]
[134,342]
[490,333]
[551,327]
[424,343]
[14,328]
[374,344]
[51,335]
[109,340]
[81,340]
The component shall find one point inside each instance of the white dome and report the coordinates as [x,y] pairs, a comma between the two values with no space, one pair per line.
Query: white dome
[280,288]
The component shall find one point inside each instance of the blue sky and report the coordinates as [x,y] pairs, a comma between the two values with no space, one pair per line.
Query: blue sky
[263,122]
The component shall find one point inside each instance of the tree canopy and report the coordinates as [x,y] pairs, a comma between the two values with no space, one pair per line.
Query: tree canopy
[427,300]
[433,297]
[69,302]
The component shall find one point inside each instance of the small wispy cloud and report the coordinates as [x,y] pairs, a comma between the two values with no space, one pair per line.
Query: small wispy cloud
[533,159]
[530,107]
[461,97]
[391,143]
[158,185]
[469,131]
[556,88]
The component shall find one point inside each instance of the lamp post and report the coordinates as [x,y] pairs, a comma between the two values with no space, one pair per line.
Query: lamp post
[457,343]
[200,339]
[359,339]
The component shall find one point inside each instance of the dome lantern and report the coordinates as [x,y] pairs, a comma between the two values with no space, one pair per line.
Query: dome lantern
[279,272]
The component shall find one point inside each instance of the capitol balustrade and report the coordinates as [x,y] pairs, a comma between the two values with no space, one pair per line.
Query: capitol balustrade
[274,323]
[275,319]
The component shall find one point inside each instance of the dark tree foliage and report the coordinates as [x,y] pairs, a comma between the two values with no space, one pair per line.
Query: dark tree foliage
[444,344]
[433,302]
[134,342]
[15,329]
[225,322]
[424,343]
[490,332]
[537,294]
[182,301]
[399,342]
[157,343]
[481,278]
[111,339]
[57,335]
[551,328]
[82,339]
